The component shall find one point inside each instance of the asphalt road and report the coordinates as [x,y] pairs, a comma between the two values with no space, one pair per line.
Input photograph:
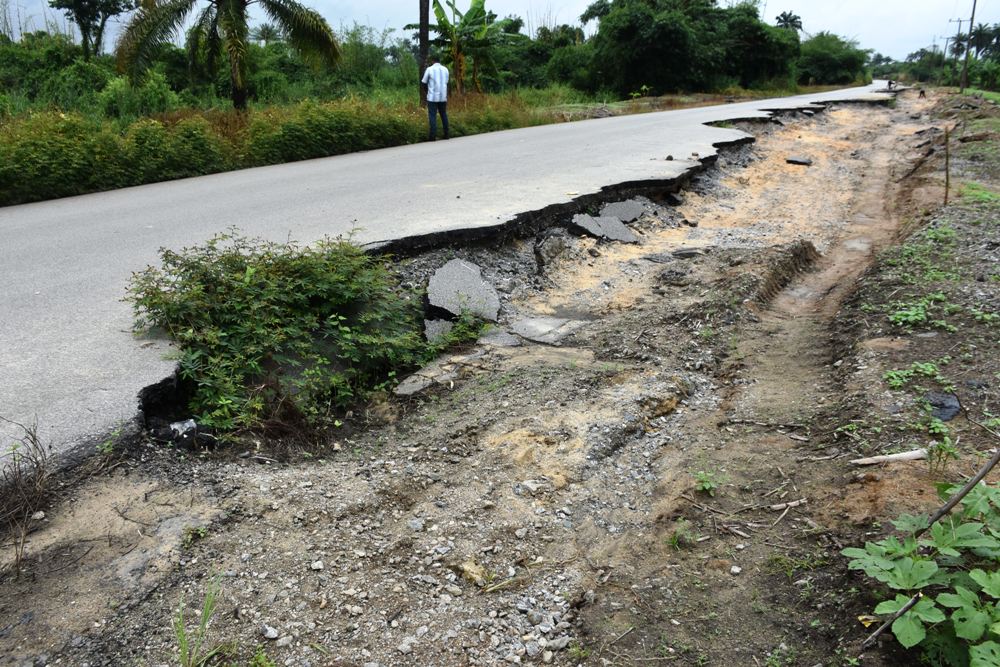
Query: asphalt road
[68,358]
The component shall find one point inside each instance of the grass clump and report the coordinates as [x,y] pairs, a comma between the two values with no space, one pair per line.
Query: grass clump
[275,334]
[979,193]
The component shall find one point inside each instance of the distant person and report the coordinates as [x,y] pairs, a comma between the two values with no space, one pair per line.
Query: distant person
[891,84]
[436,80]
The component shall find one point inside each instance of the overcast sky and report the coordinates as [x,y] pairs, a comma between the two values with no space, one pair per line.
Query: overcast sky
[892,27]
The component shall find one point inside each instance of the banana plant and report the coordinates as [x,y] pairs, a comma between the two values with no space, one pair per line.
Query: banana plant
[464,36]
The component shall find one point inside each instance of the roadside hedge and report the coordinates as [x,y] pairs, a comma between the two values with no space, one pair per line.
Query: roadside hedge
[49,155]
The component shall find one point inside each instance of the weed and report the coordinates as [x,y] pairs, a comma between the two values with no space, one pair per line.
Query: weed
[939,454]
[107,446]
[979,194]
[706,482]
[912,313]
[24,482]
[578,651]
[789,565]
[682,535]
[953,566]
[984,316]
[190,646]
[193,534]
[261,659]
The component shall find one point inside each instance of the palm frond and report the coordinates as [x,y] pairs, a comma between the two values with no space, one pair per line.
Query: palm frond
[203,39]
[307,31]
[152,26]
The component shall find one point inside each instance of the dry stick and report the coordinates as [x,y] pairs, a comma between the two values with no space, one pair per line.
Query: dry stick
[885,626]
[947,507]
[622,635]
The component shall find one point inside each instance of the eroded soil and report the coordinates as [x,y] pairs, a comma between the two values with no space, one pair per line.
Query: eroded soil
[668,484]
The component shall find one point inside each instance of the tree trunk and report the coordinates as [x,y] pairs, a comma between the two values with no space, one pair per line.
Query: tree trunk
[238,91]
[458,59]
[99,36]
[425,21]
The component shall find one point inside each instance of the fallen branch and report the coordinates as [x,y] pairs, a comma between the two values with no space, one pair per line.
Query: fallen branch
[789,505]
[737,532]
[914,455]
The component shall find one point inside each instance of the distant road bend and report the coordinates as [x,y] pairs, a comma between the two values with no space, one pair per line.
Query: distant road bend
[67,354]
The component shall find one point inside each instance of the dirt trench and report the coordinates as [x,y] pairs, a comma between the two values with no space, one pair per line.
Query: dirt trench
[627,496]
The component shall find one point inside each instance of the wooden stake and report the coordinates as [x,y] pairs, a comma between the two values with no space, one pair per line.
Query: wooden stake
[947,164]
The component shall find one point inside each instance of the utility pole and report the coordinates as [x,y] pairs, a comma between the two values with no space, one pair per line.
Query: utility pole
[968,47]
[958,35]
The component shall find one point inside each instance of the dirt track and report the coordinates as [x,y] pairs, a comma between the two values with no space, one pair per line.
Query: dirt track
[543,506]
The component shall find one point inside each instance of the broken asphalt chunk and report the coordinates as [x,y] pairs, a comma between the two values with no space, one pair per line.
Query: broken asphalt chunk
[943,406]
[626,211]
[604,227]
[458,287]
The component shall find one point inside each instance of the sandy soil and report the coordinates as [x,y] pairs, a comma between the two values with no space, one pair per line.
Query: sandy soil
[544,505]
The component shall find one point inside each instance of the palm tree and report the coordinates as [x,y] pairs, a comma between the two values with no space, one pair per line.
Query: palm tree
[266,33]
[789,21]
[982,35]
[221,29]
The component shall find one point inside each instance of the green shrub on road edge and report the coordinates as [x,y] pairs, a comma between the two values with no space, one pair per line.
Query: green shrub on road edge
[279,334]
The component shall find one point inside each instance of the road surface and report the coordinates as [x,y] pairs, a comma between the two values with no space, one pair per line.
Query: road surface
[67,354]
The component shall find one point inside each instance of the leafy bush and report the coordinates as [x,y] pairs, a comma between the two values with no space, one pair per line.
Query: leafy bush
[76,86]
[275,332]
[957,619]
[158,153]
[311,130]
[58,155]
[121,99]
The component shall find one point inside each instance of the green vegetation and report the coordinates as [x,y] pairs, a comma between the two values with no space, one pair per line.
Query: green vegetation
[682,535]
[899,379]
[978,193]
[921,312]
[706,482]
[191,647]
[222,30]
[275,334]
[953,566]
[932,65]
[74,120]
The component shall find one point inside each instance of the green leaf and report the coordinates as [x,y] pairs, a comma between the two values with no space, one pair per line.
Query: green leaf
[986,654]
[969,620]
[989,581]
[909,523]
[909,574]
[909,630]
[928,612]
[970,623]
[891,606]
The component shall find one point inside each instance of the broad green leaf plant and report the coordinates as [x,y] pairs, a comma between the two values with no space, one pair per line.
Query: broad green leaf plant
[953,566]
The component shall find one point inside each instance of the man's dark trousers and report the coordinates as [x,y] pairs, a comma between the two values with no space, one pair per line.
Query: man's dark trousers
[433,109]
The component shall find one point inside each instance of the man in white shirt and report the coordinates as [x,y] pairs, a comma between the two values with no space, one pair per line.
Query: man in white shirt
[436,80]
